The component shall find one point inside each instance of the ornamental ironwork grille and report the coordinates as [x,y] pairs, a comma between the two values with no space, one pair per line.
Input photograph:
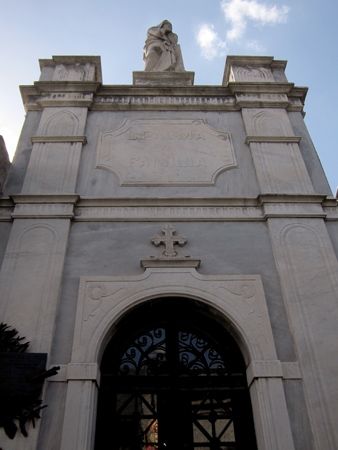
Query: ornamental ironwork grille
[173,386]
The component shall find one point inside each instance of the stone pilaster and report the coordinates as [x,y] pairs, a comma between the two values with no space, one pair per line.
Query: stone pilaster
[264,94]
[303,252]
[311,299]
[33,263]
[64,93]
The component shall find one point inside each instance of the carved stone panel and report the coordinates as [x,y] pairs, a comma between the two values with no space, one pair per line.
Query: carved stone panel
[31,276]
[251,73]
[241,298]
[74,72]
[165,152]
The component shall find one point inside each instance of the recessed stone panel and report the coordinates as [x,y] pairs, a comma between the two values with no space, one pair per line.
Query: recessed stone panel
[165,152]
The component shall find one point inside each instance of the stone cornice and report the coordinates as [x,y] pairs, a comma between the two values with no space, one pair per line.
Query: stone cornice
[6,209]
[273,369]
[168,202]
[66,86]
[172,263]
[250,60]
[205,209]
[58,139]
[97,97]
[59,206]
[48,198]
[165,102]
[299,92]
[292,198]
[65,99]
[273,139]
[279,64]
[249,87]
[126,89]
[263,207]
[69,59]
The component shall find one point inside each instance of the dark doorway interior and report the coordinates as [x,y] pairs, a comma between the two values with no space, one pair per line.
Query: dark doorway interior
[173,378]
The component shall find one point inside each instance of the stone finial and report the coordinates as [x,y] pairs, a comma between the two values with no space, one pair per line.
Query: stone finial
[161,52]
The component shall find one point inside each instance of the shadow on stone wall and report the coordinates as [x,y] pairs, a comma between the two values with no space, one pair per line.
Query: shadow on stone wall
[4,164]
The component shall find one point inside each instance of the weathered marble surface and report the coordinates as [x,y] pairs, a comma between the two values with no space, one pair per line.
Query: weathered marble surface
[231,248]
[165,152]
[237,182]
[308,267]
[75,221]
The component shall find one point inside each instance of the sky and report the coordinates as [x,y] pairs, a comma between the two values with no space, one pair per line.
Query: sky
[303,32]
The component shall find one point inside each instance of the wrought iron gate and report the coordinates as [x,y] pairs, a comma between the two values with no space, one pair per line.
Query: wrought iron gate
[173,386]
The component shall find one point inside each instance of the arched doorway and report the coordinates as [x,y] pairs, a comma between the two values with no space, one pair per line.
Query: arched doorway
[173,378]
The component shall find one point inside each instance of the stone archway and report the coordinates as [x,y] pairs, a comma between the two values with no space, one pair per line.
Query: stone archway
[240,300]
[173,377]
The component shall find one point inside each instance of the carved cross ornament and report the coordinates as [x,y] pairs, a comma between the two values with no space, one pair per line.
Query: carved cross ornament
[169,240]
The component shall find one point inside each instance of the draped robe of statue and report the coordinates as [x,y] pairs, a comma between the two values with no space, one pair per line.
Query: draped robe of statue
[161,51]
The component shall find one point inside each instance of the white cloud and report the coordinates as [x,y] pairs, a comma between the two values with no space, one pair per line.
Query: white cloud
[211,45]
[237,11]
[256,46]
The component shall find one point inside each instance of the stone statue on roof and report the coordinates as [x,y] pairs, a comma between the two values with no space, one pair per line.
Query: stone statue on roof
[161,53]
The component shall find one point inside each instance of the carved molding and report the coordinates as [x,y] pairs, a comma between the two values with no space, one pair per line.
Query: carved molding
[163,213]
[293,210]
[5,214]
[52,198]
[291,371]
[44,210]
[170,263]
[103,299]
[169,102]
[263,100]
[253,73]
[170,98]
[65,99]
[178,209]
[165,152]
[83,371]
[56,139]
[331,213]
[264,369]
[76,372]
[273,369]
[259,88]
[88,62]
[74,72]
[273,139]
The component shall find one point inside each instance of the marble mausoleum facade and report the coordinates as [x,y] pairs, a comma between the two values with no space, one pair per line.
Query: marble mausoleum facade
[123,196]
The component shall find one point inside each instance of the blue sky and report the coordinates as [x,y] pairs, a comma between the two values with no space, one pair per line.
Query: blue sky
[304,32]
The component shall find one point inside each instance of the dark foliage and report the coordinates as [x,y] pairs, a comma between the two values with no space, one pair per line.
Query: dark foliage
[17,408]
[9,341]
